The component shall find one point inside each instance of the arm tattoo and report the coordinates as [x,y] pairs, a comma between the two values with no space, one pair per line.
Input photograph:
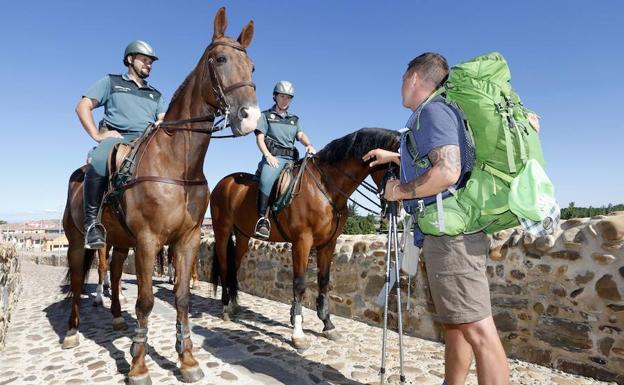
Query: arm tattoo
[447,158]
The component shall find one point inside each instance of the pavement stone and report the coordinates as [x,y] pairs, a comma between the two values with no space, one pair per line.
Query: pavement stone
[254,348]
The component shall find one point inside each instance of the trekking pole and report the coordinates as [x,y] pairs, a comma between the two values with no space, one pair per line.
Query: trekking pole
[393,218]
[392,246]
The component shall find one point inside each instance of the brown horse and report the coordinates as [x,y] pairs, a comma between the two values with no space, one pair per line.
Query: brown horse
[167,196]
[315,218]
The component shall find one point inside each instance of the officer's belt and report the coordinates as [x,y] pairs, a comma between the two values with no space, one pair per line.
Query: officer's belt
[276,150]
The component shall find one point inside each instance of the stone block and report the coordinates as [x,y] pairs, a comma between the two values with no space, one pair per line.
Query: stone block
[582,279]
[603,259]
[506,322]
[607,288]
[611,228]
[565,334]
[570,255]
[589,370]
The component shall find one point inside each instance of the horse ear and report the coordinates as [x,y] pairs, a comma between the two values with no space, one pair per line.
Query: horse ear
[246,35]
[220,23]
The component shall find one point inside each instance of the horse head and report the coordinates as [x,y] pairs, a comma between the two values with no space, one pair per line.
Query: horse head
[227,72]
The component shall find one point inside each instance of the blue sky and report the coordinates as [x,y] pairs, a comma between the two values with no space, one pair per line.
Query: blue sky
[345,58]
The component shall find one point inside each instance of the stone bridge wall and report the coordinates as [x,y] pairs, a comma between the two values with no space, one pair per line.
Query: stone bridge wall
[557,301]
[10,286]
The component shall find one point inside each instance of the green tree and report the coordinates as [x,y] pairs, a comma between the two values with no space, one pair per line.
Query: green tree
[572,211]
[2,222]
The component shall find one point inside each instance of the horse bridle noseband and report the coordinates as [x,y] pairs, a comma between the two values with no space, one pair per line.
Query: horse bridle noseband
[222,107]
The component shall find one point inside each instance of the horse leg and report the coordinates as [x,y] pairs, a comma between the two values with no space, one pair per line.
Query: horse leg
[186,250]
[170,264]
[79,263]
[323,260]
[145,255]
[116,269]
[219,268]
[301,252]
[194,277]
[102,269]
[237,252]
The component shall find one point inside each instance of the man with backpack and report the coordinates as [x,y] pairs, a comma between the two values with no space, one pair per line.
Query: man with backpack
[437,161]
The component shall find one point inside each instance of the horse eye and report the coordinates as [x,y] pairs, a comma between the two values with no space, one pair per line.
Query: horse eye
[253,69]
[221,59]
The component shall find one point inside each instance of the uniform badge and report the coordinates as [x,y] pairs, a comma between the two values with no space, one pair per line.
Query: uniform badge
[292,122]
[272,116]
[151,96]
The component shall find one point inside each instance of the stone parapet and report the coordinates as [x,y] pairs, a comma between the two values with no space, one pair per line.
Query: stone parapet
[10,286]
[557,300]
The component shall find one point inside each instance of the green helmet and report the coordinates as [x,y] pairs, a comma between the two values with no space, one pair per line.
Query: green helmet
[139,46]
[284,87]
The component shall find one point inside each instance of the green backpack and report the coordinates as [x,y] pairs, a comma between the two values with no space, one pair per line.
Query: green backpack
[504,141]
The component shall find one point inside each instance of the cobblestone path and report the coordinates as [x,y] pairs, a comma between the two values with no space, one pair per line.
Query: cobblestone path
[253,349]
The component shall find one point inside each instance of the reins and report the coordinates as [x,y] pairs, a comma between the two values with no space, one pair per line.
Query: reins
[221,109]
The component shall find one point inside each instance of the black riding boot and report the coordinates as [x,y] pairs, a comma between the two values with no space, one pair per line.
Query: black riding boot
[94,186]
[263,226]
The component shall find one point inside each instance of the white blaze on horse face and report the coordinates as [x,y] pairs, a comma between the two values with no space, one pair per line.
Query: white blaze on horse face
[251,121]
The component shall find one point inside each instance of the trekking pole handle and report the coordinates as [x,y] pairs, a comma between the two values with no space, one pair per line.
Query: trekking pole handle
[393,207]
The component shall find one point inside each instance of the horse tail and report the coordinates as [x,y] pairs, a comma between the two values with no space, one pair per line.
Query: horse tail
[232,281]
[89,255]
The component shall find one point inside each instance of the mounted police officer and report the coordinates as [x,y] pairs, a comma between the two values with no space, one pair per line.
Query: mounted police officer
[130,106]
[275,136]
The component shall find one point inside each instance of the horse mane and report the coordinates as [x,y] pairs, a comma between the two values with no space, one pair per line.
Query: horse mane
[178,91]
[356,144]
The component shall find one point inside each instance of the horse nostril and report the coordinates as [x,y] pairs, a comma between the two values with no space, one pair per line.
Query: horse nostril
[242,113]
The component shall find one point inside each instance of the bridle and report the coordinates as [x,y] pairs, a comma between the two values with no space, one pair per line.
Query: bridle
[221,108]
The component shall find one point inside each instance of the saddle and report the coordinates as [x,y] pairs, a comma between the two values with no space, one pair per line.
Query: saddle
[122,163]
[284,189]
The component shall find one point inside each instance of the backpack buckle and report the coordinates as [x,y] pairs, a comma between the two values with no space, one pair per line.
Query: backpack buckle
[420,209]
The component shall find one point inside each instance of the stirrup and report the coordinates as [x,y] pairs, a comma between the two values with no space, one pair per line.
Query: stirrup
[262,221]
[97,244]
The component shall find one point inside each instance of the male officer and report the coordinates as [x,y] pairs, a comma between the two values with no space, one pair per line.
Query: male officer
[130,106]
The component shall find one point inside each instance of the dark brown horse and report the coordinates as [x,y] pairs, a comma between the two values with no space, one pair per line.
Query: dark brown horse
[315,218]
[168,195]
[103,277]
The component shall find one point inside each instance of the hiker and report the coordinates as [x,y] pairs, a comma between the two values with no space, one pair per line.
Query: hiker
[275,136]
[130,106]
[455,264]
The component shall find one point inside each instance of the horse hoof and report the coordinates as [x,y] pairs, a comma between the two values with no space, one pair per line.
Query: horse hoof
[300,343]
[71,339]
[98,302]
[332,335]
[193,374]
[119,323]
[226,317]
[143,379]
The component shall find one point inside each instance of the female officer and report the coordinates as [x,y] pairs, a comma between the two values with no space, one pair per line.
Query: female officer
[275,137]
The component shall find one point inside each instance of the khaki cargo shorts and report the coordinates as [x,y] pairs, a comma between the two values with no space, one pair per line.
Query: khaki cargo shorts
[457,280]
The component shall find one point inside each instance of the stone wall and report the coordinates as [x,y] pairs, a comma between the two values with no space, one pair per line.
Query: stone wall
[557,301]
[10,286]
